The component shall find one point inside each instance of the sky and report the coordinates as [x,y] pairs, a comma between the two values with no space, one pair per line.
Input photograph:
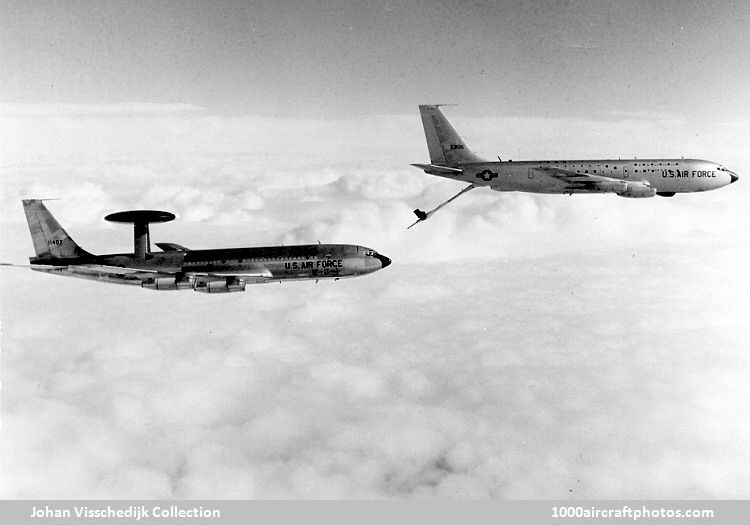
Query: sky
[344,59]
[519,346]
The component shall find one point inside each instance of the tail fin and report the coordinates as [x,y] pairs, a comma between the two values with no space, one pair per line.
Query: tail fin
[50,240]
[446,146]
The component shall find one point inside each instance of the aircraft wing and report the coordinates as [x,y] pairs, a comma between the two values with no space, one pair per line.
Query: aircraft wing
[583,181]
[149,278]
[573,179]
[97,272]
[245,279]
[258,277]
[198,281]
[136,274]
[261,273]
[113,273]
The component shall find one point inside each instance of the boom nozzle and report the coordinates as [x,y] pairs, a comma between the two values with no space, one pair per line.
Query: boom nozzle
[424,215]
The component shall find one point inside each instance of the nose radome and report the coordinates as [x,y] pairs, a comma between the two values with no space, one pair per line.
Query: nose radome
[384,261]
[734,177]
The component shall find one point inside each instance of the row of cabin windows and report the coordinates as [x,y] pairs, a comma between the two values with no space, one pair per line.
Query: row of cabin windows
[218,261]
[594,171]
[240,261]
[615,167]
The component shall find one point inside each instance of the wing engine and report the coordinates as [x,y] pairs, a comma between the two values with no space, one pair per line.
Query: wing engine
[216,284]
[638,190]
[199,283]
[173,282]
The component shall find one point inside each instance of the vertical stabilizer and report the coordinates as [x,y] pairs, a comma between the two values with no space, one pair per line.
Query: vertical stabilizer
[446,146]
[50,240]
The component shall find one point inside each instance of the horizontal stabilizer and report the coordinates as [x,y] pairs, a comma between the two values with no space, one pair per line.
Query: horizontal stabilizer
[171,247]
[433,169]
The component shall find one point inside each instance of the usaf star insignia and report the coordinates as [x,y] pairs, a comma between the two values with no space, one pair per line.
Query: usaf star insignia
[486,175]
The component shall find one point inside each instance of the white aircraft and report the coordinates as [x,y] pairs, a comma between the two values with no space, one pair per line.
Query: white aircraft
[451,157]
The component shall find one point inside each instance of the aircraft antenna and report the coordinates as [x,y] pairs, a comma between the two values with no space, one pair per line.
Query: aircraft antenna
[140,220]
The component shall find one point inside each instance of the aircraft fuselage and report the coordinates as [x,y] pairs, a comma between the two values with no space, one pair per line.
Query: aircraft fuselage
[667,176]
[179,268]
[261,264]
[452,158]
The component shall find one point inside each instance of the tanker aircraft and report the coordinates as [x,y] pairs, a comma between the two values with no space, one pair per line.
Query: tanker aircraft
[451,157]
[180,268]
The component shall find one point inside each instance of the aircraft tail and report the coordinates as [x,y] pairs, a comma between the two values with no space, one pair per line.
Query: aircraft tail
[50,240]
[446,146]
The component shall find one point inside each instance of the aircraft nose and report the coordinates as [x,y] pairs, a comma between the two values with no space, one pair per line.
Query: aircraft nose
[734,177]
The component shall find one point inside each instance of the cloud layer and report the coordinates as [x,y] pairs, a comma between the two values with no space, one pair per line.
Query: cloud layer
[585,377]
[520,346]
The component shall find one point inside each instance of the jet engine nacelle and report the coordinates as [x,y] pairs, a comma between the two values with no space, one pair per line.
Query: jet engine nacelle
[167,283]
[230,284]
[638,190]
[611,186]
